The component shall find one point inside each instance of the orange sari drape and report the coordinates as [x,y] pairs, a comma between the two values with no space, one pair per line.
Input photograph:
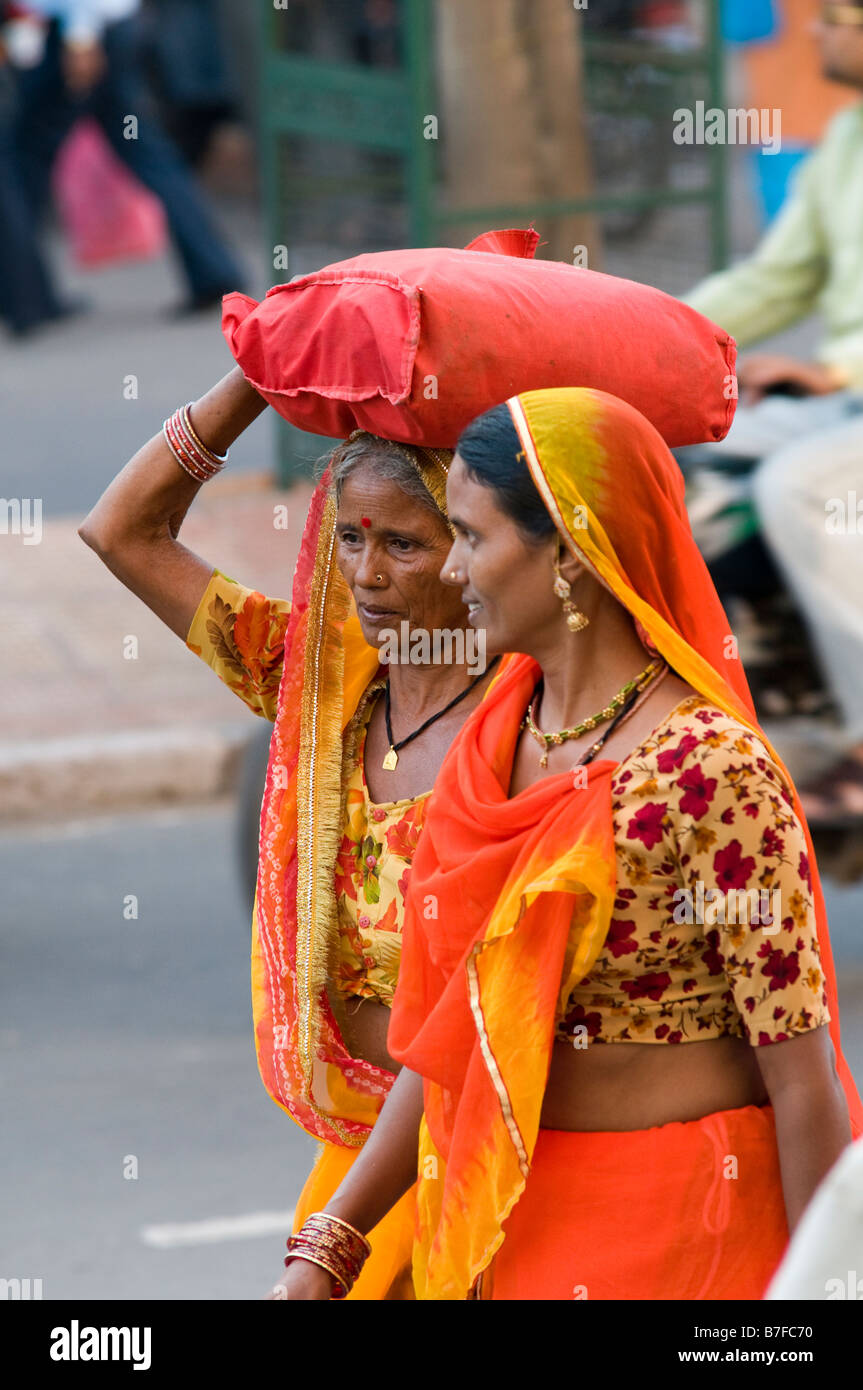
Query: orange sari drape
[511,899]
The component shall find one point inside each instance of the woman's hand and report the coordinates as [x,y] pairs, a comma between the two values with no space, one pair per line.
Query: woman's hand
[302,1281]
[84,64]
[756,375]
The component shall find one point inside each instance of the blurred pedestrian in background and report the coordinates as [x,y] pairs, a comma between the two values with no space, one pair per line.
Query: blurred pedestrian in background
[91,65]
[376,33]
[804,420]
[190,72]
[27,296]
[780,67]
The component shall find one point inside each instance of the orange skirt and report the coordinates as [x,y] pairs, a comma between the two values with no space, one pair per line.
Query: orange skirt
[688,1210]
[387,1271]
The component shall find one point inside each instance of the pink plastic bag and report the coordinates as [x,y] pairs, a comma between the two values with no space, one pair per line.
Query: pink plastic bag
[106,213]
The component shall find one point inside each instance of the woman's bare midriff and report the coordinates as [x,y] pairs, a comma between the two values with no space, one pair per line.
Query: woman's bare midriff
[611,1086]
[623,1086]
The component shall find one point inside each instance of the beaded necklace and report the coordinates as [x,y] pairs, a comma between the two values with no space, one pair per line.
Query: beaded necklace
[546,741]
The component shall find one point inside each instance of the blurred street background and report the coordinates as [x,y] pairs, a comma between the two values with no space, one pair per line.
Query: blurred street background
[141,1156]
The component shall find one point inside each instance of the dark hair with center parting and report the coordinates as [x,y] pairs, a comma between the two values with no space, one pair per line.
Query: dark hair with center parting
[490,448]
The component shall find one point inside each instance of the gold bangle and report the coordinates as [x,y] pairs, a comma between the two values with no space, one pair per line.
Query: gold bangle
[334,1244]
[347,1225]
[187,421]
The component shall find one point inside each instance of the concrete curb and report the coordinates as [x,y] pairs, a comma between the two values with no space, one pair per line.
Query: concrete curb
[120,770]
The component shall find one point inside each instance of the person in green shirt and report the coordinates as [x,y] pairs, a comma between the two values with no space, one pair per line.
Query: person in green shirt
[804,420]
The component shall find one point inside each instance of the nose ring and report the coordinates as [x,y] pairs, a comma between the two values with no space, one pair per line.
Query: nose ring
[379,578]
[452,574]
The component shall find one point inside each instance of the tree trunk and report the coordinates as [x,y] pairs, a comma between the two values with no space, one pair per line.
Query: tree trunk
[513,122]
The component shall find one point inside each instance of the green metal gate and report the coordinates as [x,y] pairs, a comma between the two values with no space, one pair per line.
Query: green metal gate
[334,128]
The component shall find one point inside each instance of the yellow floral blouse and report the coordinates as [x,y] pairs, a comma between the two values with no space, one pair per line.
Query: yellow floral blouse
[372,873]
[713,930]
[240,633]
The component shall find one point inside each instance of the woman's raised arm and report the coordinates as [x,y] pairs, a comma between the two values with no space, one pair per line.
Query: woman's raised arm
[134,526]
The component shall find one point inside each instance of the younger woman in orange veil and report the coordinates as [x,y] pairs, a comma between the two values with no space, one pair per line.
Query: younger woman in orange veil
[617,1004]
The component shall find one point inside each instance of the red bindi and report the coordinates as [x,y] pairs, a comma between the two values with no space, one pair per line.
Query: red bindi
[365,521]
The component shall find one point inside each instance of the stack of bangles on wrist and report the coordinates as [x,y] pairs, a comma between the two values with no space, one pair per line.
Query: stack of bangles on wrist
[338,1248]
[191,454]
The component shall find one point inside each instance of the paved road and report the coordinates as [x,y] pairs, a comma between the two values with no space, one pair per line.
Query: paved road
[123,1037]
[133,1037]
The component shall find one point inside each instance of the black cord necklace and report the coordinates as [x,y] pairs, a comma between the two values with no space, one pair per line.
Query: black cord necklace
[392,755]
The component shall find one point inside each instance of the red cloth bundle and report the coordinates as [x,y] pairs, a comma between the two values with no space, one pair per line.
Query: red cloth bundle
[413,344]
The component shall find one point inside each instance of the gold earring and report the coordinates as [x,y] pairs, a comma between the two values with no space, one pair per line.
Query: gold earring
[575,619]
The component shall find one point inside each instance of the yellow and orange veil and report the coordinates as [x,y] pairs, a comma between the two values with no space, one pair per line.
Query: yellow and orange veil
[510,899]
[302,1057]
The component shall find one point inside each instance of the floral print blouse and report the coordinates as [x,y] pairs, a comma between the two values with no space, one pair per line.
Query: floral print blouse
[240,633]
[713,930]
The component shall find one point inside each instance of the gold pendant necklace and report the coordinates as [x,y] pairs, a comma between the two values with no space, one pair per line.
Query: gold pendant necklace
[391,757]
[546,741]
